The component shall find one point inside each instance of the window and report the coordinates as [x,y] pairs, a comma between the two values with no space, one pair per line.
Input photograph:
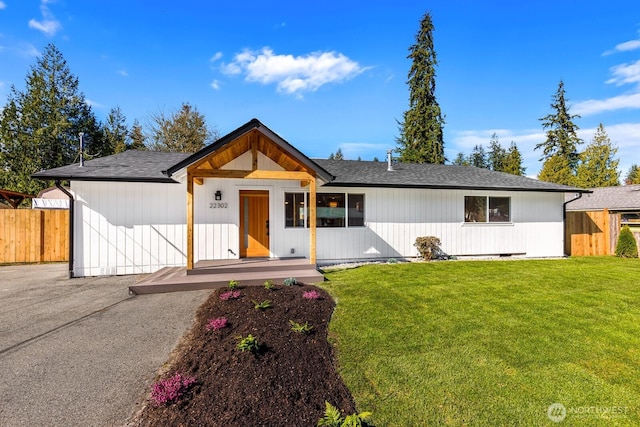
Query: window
[294,210]
[487,209]
[332,210]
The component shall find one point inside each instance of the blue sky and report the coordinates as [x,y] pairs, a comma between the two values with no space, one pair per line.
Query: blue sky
[329,75]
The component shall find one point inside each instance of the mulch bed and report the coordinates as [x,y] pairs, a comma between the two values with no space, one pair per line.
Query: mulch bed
[286,383]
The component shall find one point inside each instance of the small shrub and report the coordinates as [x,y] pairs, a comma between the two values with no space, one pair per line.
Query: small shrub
[261,305]
[291,281]
[627,246]
[229,295]
[170,389]
[392,261]
[248,343]
[217,324]
[428,247]
[311,295]
[233,284]
[333,418]
[268,284]
[302,328]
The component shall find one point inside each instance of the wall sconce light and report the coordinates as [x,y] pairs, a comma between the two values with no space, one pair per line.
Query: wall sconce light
[218,195]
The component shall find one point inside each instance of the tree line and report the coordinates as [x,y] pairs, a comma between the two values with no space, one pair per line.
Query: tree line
[40,126]
[421,133]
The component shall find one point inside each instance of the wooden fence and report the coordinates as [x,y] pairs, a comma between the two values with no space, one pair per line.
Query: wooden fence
[34,235]
[593,233]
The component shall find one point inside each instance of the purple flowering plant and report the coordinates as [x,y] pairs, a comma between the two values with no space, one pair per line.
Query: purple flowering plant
[311,295]
[217,324]
[229,295]
[170,389]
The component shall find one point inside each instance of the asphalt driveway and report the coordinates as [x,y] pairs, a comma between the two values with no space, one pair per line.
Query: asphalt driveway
[81,352]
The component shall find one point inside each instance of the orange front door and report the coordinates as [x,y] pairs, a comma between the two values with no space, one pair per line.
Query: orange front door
[254,223]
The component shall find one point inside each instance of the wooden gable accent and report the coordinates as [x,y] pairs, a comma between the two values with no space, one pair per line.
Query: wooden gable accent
[255,142]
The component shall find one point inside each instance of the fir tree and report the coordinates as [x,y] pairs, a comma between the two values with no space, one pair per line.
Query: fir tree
[339,155]
[633,175]
[185,131]
[513,161]
[626,246]
[461,160]
[496,156]
[115,132]
[560,148]
[421,131]
[598,166]
[39,126]
[478,157]
[136,138]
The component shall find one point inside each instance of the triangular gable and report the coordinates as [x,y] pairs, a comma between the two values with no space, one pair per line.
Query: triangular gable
[256,138]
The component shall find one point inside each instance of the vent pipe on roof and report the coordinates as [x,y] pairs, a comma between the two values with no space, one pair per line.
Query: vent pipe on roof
[389,165]
[81,135]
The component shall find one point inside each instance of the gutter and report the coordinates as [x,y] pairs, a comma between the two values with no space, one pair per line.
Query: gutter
[564,219]
[71,216]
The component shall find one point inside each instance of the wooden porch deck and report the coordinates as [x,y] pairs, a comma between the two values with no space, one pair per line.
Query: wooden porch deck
[217,274]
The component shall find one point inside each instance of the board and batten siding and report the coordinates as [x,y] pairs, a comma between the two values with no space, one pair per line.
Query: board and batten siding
[395,217]
[130,228]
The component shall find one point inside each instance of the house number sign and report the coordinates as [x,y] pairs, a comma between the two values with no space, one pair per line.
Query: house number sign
[218,205]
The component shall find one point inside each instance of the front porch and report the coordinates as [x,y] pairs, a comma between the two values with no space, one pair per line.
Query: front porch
[217,274]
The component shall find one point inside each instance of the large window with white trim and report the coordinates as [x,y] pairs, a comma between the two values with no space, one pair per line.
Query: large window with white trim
[332,210]
[487,209]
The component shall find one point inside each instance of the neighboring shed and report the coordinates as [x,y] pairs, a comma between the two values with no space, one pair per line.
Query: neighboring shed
[252,194]
[595,219]
[51,198]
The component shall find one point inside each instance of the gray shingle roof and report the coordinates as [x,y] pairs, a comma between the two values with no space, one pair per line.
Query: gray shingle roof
[149,166]
[374,174]
[626,197]
[129,166]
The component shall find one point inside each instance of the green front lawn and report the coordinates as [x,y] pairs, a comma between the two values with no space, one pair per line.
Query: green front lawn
[491,342]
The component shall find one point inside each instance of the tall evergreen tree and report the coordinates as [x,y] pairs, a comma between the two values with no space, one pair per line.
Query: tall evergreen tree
[633,175]
[461,160]
[478,157]
[513,161]
[115,132]
[185,131]
[598,166]
[560,148]
[136,138]
[496,156]
[421,134]
[39,126]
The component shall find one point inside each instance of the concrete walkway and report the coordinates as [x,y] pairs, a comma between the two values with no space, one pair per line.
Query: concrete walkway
[81,352]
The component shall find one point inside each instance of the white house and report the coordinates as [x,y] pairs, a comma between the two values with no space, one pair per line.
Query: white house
[252,194]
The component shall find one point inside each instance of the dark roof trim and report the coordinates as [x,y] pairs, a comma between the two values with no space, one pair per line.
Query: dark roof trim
[45,177]
[456,187]
[252,124]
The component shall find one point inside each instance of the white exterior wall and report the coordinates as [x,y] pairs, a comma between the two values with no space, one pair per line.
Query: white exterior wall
[129,228]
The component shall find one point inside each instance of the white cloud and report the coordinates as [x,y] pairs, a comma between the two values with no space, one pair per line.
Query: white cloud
[595,106]
[624,47]
[215,85]
[625,73]
[293,74]
[216,56]
[3,5]
[123,73]
[49,25]
[94,104]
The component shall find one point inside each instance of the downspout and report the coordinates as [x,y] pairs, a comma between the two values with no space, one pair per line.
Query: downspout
[564,217]
[71,216]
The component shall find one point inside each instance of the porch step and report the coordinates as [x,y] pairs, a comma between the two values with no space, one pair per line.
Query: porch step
[255,265]
[173,279]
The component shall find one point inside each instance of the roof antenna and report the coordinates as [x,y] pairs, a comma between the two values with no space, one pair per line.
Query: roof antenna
[389,166]
[81,135]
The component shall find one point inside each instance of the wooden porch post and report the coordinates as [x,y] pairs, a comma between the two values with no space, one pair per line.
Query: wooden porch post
[312,220]
[189,221]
